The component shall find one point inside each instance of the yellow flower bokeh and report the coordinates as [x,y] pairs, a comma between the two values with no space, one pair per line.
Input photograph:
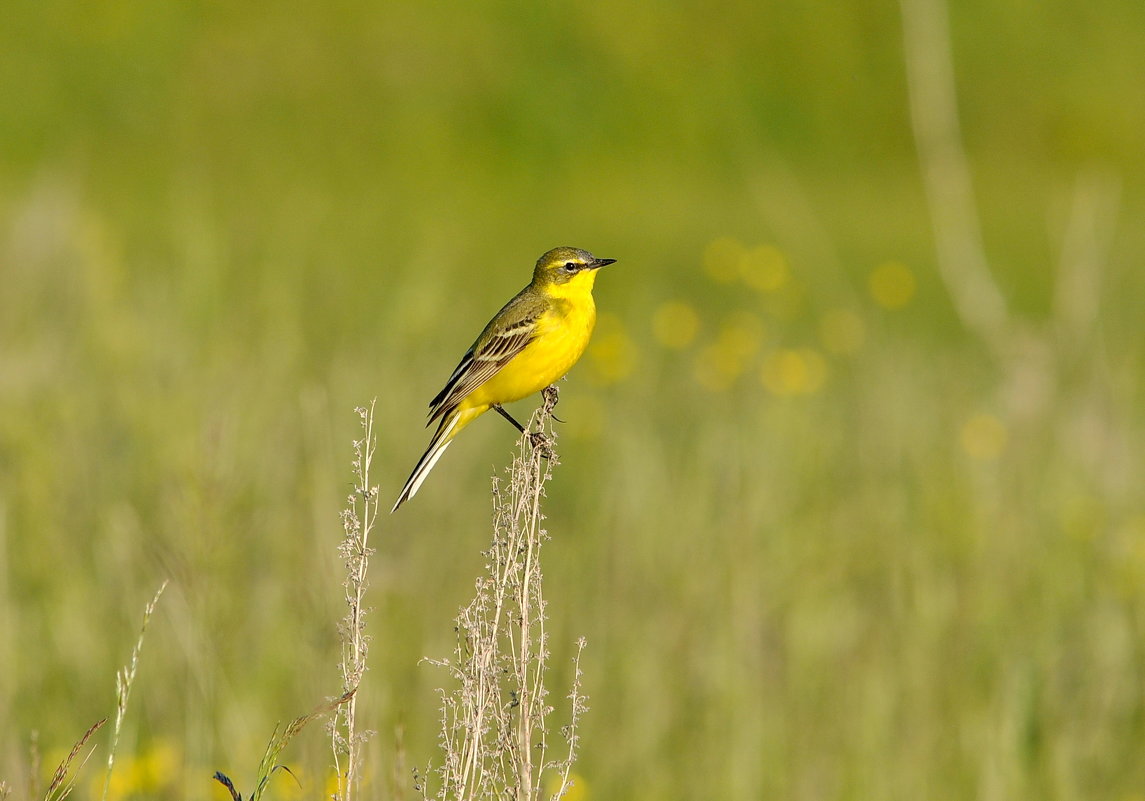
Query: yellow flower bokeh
[788,372]
[741,334]
[675,324]
[764,268]
[576,791]
[152,772]
[892,285]
[722,258]
[719,364]
[716,368]
[613,353]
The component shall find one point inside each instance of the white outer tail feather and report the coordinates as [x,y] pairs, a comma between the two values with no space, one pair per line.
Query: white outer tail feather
[436,447]
[416,480]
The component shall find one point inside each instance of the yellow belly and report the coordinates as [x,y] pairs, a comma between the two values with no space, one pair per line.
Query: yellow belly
[560,342]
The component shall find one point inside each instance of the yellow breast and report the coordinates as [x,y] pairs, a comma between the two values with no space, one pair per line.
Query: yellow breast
[563,334]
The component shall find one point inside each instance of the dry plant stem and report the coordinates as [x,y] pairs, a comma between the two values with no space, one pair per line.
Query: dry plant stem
[494,736]
[64,780]
[525,599]
[946,173]
[1086,243]
[358,520]
[123,681]
[1034,363]
[579,707]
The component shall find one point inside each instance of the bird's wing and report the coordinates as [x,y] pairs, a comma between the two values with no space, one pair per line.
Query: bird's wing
[507,334]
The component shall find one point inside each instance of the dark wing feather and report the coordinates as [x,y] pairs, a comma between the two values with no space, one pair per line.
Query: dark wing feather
[495,348]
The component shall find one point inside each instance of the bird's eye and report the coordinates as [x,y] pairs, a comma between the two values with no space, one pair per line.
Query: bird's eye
[570,266]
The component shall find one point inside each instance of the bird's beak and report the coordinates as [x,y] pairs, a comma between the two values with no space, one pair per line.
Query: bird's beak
[598,263]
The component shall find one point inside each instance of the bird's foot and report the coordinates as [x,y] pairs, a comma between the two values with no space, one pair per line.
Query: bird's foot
[550,395]
[541,444]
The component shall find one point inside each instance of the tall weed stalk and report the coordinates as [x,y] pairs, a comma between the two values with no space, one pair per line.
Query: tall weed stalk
[358,520]
[495,735]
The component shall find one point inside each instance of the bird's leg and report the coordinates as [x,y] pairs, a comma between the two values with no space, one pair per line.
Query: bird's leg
[551,394]
[538,439]
[501,411]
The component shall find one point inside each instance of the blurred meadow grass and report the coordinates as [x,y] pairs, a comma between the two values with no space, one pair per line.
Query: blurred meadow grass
[824,541]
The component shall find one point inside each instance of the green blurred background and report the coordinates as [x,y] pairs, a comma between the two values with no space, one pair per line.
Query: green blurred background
[826,539]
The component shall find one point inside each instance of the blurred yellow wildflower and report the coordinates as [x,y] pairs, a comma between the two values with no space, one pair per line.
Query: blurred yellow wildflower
[764,268]
[719,364]
[716,368]
[984,437]
[612,354]
[153,772]
[722,259]
[335,783]
[892,285]
[675,324]
[794,372]
[287,786]
[842,331]
[578,791]
[741,334]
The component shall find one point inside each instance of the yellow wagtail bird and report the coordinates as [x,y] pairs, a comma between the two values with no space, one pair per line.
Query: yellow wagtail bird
[532,342]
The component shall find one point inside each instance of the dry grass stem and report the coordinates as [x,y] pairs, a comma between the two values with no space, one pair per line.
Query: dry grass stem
[494,734]
[578,704]
[358,520]
[64,779]
[123,681]
[945,169]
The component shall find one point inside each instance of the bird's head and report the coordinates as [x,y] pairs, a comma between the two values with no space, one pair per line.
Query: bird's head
[567,266]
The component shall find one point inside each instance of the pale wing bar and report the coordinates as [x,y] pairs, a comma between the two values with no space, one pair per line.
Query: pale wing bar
[478,366]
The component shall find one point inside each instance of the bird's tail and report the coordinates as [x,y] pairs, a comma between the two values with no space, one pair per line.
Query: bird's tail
[449,428]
